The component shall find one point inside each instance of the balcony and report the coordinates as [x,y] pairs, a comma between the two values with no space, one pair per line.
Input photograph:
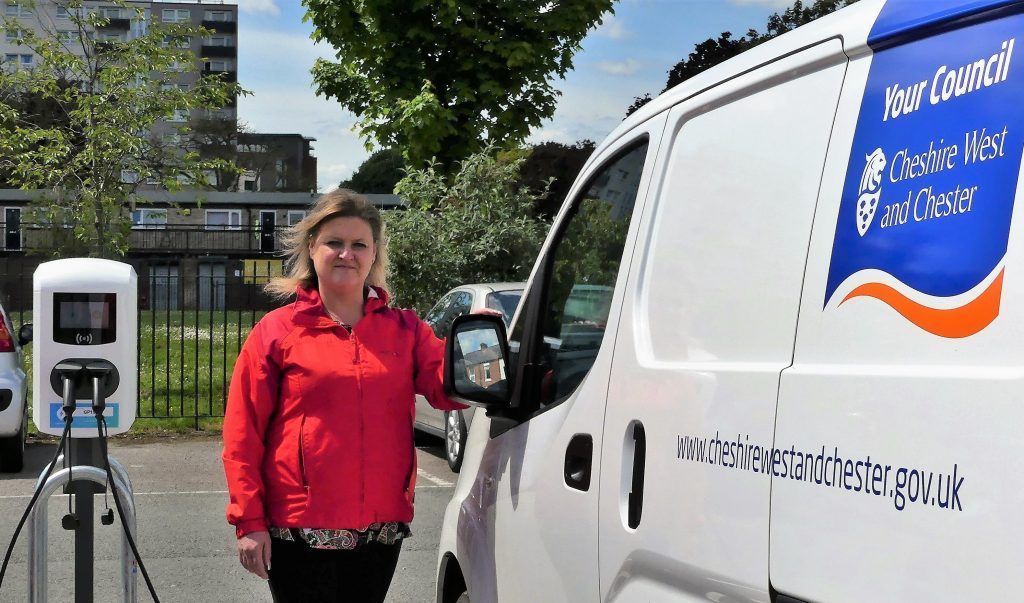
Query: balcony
[172,239]
[118,24]
[227,76]
[216,52]
[221,26]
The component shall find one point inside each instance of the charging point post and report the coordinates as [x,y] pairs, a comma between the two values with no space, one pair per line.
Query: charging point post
[84,388]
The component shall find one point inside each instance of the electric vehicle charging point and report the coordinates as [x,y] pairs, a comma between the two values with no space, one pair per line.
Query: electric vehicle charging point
[84,388]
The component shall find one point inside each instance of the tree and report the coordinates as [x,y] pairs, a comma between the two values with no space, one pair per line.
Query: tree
[445,78]
[713,51]
[479,227]
[378,174]
[108,94]
[553,167]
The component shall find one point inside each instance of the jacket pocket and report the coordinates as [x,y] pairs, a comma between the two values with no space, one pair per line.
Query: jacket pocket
[302,456]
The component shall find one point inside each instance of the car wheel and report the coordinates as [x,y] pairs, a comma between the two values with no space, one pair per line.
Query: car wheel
[454,439]
[12,451]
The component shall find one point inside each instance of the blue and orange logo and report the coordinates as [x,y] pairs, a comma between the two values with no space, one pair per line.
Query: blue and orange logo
[924,220]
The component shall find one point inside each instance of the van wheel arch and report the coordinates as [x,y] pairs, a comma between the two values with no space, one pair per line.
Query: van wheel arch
[451,584]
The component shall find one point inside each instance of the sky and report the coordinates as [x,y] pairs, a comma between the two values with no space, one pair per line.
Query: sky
[628,55]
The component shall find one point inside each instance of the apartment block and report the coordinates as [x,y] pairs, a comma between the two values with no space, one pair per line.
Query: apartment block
[216,53]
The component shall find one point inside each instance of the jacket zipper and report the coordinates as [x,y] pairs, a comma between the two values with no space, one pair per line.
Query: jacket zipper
[302,457]
[362,420]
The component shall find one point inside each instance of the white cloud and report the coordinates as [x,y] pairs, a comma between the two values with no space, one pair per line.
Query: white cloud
[775,4]
[611,28]
[268,7]
[627,67]
[275,66]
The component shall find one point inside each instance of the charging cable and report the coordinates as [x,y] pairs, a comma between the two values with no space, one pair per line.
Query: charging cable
[99,374]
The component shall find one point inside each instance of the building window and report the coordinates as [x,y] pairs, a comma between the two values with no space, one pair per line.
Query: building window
[12,37]
[178,116]
[295,216]
[223,219]
[129,177]
[225,41]
[15,61]
[15,10]
[62,13]
[218,65]
[67,35]
[177,42]
[223,16]
[149,219]
[176,15]
[110,36]
[111,12]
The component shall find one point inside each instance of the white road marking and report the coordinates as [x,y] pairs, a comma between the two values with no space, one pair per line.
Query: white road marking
[437,481]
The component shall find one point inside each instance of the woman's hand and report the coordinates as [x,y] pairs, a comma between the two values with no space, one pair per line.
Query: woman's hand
[489,312]
[254,553]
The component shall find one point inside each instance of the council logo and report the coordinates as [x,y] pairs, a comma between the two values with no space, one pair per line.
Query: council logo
[870,190]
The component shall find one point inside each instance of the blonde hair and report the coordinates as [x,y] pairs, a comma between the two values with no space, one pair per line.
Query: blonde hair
[340,203]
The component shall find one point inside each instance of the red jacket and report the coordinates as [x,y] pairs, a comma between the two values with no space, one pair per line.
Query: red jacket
[318,427]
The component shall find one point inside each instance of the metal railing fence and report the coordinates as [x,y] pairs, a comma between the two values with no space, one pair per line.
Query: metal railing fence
[193,319]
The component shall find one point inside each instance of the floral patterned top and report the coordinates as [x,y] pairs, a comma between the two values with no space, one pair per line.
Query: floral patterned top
[346,540]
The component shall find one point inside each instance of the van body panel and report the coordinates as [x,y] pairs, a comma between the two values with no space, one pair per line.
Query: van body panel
[513,518]
[704,336]
[902,407]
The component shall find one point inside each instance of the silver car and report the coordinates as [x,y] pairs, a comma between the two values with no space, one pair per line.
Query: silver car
[13,384]
[453,426]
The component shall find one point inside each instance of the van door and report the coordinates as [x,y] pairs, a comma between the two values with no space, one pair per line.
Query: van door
[707,327]
[526,528]
[899,424]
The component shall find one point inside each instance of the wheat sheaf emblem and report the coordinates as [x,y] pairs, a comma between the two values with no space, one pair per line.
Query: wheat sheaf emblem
[870,190]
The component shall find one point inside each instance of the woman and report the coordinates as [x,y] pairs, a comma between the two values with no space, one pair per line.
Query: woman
[318,436]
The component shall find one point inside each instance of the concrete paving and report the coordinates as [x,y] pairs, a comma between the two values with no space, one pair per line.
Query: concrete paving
[186,544]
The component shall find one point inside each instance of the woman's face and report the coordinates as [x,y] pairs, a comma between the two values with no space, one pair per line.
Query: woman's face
[343,253]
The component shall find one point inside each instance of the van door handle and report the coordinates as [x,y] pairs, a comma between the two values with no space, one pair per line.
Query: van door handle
[636,492]
[579,456]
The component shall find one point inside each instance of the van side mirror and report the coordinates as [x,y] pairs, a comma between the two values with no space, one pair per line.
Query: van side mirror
[476,357]
[25,333]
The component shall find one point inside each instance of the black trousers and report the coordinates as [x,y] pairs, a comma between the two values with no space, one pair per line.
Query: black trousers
[306,575]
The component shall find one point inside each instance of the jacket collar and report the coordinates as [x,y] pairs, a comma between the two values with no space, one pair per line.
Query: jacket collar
[309,309]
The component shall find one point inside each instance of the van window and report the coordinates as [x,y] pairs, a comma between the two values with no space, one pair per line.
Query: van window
[582,267]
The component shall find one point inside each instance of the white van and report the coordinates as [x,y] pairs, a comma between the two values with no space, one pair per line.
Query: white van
[809,384]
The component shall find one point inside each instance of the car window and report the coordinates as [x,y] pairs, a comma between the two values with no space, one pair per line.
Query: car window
[436,313]
[582,267]
[504,302]
[461,303]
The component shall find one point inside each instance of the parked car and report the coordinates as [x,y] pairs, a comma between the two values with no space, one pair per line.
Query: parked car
[13,384]
[453,426]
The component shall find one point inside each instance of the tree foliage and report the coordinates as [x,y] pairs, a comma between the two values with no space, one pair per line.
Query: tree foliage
[713,51]
[378,174]
[444,78]
[477,227]
[95,143]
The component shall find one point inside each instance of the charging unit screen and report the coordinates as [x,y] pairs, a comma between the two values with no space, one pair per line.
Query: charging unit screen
[84,318]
